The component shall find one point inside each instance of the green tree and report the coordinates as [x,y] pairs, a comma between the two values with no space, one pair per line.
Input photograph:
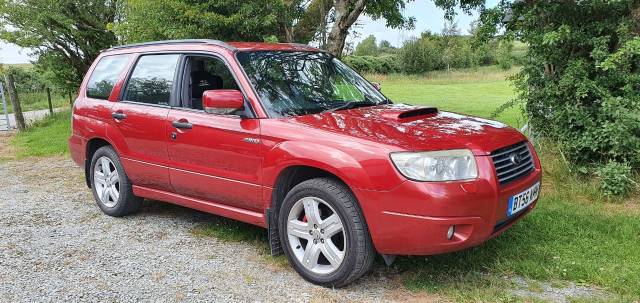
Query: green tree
[229,20]
[367,47]
[385,47]
[346,12]
[66,35]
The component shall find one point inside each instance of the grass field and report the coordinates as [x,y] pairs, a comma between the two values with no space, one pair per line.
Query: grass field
[572,236]
[36,100]
[477,91]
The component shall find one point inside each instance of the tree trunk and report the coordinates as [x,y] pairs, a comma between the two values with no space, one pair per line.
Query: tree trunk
[49,100]
[346,13]
[70,99]
[15,102]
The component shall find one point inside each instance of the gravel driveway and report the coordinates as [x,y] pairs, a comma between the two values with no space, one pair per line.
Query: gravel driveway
[55,245]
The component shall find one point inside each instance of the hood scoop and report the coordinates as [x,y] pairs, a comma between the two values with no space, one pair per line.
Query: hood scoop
[412,114]
[425,111]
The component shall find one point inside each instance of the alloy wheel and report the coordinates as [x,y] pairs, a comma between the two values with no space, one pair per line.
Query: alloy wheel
[316,235]
[106,182]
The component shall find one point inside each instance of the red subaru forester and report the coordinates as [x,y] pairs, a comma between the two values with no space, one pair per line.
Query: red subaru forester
[287,137]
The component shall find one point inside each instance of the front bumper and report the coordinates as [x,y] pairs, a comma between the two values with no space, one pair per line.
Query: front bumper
[413,218]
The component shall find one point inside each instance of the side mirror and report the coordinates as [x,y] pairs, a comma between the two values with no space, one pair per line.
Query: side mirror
[222,101]
[377,85]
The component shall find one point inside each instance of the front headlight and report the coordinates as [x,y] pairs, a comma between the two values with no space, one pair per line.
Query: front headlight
[445,165]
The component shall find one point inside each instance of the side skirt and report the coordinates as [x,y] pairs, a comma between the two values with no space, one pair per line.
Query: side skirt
[223,210]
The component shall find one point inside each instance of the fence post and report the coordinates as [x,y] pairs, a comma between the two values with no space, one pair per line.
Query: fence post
[15,102]
[70,100]
[49,100]
[4,107]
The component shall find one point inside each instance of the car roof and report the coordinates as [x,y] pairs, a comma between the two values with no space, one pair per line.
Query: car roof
[231,46]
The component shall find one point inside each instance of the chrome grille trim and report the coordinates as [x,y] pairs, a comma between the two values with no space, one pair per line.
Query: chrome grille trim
[506,170]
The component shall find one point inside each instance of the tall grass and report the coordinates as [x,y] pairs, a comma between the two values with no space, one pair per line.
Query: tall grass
[36,101]
[45,137]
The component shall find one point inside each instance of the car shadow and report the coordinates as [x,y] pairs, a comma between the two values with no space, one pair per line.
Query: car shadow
[420,272]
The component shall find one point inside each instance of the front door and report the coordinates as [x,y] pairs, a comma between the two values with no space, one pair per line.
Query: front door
[214,157]
[141,116]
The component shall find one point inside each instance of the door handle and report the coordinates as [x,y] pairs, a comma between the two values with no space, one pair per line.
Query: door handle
[182,125]
[118,115]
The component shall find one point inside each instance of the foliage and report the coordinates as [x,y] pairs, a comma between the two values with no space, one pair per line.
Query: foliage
[148,20]
[581,80]
[432,52]
[615,179]
[504,55]
[367,47]
[290,21]
[377,65]
[436,52]
[66,35]
[26,78]
[30,85]
[346,12]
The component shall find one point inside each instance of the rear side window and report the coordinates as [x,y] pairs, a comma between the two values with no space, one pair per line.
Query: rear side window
[152,79]
[105,76]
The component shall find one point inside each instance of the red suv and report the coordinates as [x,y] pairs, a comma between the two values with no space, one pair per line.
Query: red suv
[289,138]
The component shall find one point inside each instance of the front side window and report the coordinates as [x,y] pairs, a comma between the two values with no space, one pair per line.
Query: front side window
[300,83]
[203,74]
[105,75]
[152,79]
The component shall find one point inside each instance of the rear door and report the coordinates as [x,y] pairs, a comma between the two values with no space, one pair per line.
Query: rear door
[140,118]
[217,158]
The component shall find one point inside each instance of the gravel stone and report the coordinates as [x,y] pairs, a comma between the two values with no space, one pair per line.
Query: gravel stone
[56,245]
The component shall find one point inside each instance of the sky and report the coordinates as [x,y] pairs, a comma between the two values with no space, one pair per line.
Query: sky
[428,17]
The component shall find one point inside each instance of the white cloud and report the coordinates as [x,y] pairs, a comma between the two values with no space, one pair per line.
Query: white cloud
[12,54]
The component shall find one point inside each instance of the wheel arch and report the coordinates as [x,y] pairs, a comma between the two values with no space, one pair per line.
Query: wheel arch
[92,146]
[286,180]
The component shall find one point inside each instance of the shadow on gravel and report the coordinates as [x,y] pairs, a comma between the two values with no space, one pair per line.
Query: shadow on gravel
[533,249]
[209,225]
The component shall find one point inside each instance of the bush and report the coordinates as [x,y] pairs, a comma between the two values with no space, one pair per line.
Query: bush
[615,179]
[385,64]
[421,55]
[434,52]
[581,84]
[26,78]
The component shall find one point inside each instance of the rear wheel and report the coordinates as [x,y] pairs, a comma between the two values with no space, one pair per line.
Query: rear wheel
[110,184]
[324,233]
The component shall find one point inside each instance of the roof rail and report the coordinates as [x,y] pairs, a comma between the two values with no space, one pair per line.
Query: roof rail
[184,41]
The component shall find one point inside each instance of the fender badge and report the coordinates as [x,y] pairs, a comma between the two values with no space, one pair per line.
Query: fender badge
[251,140]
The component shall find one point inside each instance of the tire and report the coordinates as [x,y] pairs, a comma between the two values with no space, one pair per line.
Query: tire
[121,201]
[344,256]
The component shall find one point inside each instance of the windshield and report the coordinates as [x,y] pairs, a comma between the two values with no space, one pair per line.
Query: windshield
[300,83]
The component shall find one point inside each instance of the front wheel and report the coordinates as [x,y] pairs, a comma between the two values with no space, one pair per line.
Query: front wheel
[324,233]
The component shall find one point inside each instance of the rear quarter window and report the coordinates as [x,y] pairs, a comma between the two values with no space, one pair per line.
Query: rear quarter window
[105,75]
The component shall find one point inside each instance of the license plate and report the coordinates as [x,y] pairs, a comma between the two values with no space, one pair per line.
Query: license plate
[523,199]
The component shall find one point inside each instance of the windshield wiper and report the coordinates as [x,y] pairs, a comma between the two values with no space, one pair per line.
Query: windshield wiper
[352,105]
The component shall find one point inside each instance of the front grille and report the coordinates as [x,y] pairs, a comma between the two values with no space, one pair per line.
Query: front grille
[512,162]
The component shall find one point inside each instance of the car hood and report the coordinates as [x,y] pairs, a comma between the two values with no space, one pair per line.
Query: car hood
[416,128]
